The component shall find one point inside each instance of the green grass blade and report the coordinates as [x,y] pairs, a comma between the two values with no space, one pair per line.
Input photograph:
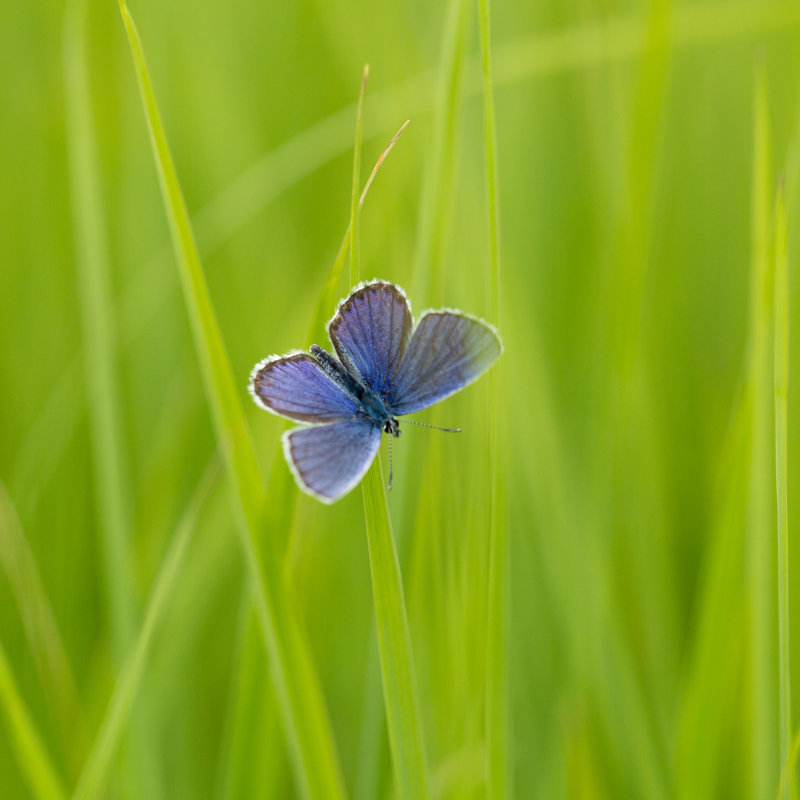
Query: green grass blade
[34,762]
[394,642]
[98,765]
[760,513]
[497,724]
[781,382]
[299,696]
[709,697]
[42,632]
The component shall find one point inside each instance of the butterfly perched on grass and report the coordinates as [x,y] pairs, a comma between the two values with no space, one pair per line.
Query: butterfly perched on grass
[386,367]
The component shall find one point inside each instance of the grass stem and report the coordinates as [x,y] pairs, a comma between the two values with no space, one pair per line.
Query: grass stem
[781,381]
[497,723]
[394,643]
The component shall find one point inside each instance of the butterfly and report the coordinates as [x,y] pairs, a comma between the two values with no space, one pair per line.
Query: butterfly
[386,367]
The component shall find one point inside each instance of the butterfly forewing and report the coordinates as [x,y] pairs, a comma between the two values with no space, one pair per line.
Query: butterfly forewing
[295,386]
[370,332]
[447,351]
[328,461]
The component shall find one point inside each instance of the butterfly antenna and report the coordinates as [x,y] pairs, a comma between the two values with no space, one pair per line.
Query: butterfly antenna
[435,427]
[390,464]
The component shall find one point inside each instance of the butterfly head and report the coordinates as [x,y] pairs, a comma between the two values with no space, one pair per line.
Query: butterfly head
[392,426]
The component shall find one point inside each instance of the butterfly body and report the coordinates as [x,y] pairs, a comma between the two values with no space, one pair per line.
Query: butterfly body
[372,405]
[386,367]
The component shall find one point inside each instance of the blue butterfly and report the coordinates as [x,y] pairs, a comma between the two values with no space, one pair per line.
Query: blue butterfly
[387,367]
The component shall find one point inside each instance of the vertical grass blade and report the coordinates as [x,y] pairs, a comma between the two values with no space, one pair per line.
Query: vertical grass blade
[97,313]
[497,725]
[760,514]
[25,740]
[305,722]
[781,381]
[394,643]
[95,772]
[436,202]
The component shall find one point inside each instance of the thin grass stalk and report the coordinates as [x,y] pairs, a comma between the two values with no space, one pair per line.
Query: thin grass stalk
[25,740]
[781,382]
[98,765]
[394,642]
[760,514]
[330,292]
[306,725]
[497,724]
[355,206]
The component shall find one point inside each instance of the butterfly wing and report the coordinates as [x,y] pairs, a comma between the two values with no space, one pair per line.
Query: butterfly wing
[295,386]
[328,461]
[447,351]
[370,332]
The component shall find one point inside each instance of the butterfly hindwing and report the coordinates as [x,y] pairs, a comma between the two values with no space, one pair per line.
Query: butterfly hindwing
[370,332]
[295,386]
[329,460]
[447,351]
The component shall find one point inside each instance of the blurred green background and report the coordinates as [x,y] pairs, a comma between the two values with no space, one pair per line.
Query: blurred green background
[637,179]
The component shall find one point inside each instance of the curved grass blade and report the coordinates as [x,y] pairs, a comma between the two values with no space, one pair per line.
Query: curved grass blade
[297,688]
[95,772]
[25,740]
[394,642]
[497,724]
